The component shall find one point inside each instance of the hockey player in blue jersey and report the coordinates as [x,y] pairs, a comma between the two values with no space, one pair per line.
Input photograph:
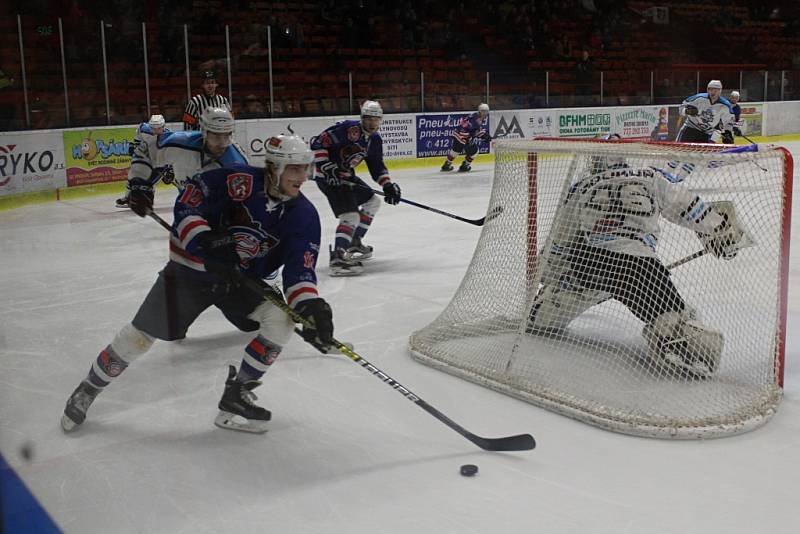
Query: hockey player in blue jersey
[181,155]
[337,152]
[147,133]
[466,135]
[230,222]
[702,113]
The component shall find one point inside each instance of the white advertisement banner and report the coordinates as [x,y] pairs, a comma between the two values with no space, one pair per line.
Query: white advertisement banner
[251,134]
[31,162]
[399,136]
[523,124]
[639,123]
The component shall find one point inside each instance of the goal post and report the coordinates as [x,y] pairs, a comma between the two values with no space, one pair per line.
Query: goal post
[597,365]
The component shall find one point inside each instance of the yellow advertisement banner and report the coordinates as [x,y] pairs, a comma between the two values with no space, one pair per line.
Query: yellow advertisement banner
[96,156]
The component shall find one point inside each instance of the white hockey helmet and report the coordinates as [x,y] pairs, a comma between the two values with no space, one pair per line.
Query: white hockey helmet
[715,84]
[156,121]
[216,120]
[484,107]
[283,150]
[371,108]
[735,94]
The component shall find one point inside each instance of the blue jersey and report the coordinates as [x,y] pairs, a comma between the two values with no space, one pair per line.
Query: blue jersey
[269,233]
[471,127]
[346,144]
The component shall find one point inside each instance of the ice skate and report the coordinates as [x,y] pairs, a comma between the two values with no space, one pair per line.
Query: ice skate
[77,405]
[447,166]
[465,167]
[122,202]
[342,265]
[236,408]
[358,251]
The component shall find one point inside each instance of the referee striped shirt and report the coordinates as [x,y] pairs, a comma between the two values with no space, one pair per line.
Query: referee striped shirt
[198,104]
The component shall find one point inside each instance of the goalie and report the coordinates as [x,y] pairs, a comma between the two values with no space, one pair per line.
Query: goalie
[603,246]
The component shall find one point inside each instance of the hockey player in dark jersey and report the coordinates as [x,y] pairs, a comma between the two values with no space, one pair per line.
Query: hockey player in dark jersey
[231,222]
[175,157]
[466,135]
[337,152]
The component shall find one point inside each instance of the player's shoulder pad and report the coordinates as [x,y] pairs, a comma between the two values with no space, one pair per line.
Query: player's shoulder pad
[723,100]
[695,97]
[145,128]
[183,139]
[233,156]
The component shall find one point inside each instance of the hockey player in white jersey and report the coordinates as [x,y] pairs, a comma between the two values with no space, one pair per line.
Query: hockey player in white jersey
[702,113]
[603,246]
[181,155]
[147,133]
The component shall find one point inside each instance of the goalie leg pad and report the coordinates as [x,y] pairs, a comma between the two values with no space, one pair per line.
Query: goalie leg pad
[683,345]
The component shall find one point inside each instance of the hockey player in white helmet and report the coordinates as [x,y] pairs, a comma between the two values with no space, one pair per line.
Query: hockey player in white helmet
[702,114]
[233,222]
[603,246]
[181,155]
[465,138]
[148,133]
[338,151]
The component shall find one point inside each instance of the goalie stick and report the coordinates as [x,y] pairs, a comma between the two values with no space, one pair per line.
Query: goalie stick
[519,442]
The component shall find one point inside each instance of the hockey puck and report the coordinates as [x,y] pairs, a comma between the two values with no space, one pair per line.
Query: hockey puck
[469,470]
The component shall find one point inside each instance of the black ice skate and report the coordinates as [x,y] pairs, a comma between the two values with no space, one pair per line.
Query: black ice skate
[122,202]
[342,265]
[465,167]
[447,166]
[358,251]
[236,408]
[77,405]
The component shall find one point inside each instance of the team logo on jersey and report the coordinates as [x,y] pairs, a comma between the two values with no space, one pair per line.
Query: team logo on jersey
[191,196]
[308,260]
[240,186]
[325,139]
[352,155]
[354,133]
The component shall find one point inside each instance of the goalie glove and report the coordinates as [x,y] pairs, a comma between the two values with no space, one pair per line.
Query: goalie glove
[725,241]
[691,110]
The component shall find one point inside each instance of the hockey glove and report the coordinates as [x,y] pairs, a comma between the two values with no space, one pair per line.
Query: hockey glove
[167,174]
[727,137]
[737,132]
[132,146]
[140,199]
[724,241]
[691,110]
[219,255]
[391,193]
[334,176]
[319,314]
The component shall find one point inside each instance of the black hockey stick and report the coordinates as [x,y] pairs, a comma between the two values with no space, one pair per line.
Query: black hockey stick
[520,442]
[496,211]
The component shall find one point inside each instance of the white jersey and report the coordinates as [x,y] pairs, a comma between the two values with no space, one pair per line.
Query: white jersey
[184,152]
[709,115]
[144,144]
[619,210]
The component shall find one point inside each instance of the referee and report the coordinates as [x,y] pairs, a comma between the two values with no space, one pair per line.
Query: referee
[198,103]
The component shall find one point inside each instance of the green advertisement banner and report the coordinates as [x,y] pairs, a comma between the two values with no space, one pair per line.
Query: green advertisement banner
[96,156]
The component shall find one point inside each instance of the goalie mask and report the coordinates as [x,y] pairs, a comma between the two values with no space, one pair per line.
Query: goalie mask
[281,152]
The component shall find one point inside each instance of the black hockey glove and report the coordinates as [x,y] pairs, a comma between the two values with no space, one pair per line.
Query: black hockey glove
[737,132]
[727,137]
[132,146]
[333,174]
[219,255]
[691,110]
[140,199]
[391,193]
[319,314]
[167,174]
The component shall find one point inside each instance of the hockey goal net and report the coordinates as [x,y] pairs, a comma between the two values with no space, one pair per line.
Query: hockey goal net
[599,369]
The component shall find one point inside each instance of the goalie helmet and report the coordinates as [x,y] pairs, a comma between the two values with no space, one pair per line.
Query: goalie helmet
[283,150]
[371,108]
[216,120]
[156,121]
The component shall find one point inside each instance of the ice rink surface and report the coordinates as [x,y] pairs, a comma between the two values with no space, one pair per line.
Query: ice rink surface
[345,453]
